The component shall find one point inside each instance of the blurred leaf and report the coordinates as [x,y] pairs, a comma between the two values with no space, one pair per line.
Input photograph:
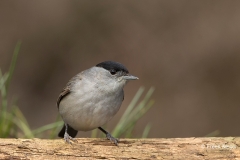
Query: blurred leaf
[22,123]
[213,134]
[132,104]
[47,127]
[134,113]
[5,121]
[3,79]
[13,63]
[132,122]
[146,131]
[55,129]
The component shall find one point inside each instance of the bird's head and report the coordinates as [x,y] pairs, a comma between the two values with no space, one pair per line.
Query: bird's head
[115,72]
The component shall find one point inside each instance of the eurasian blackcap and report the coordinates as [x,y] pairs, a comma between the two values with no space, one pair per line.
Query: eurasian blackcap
[91,98]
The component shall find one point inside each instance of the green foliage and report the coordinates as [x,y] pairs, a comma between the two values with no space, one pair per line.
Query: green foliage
[12,121]
[14,124]
[8,117]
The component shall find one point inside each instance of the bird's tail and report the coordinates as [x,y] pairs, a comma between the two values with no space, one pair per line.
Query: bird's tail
[72,132]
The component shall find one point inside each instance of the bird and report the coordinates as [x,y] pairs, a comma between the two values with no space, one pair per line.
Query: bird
[91,98]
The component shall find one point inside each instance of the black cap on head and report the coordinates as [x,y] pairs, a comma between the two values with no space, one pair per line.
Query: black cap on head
[110,65]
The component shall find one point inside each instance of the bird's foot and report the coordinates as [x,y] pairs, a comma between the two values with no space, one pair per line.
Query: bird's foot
[68,138]
[111,138]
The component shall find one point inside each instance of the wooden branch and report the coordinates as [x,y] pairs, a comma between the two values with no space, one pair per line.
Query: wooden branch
[89,148]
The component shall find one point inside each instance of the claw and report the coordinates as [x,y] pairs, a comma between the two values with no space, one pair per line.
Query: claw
[68,138]
[111,138]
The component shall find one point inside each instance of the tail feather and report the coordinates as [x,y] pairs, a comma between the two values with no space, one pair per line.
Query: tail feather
[72,132]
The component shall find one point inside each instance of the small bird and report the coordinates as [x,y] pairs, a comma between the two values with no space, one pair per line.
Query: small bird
[91,98]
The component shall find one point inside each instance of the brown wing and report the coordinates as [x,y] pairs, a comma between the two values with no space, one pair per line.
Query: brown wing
[65,92]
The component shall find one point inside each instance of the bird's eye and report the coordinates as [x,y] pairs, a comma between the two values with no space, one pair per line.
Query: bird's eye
[113,71]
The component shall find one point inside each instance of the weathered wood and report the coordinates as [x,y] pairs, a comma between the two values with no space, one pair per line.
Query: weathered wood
[89,148]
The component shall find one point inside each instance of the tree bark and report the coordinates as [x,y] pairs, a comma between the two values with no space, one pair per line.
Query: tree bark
[90,148]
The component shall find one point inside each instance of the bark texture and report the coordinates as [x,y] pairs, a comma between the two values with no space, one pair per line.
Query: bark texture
[89,148]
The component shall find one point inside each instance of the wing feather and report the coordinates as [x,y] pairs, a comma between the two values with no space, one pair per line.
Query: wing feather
[67,89]
[65,92]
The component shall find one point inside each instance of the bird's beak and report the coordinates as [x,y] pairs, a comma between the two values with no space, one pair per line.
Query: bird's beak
[130,77]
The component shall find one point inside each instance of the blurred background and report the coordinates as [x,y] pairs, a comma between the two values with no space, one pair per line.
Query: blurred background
[188,50]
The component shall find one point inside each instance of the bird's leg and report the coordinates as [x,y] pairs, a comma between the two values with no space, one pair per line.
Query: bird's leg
[67,138]
[109,136]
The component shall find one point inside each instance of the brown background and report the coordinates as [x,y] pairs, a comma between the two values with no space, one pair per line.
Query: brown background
[188,50]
